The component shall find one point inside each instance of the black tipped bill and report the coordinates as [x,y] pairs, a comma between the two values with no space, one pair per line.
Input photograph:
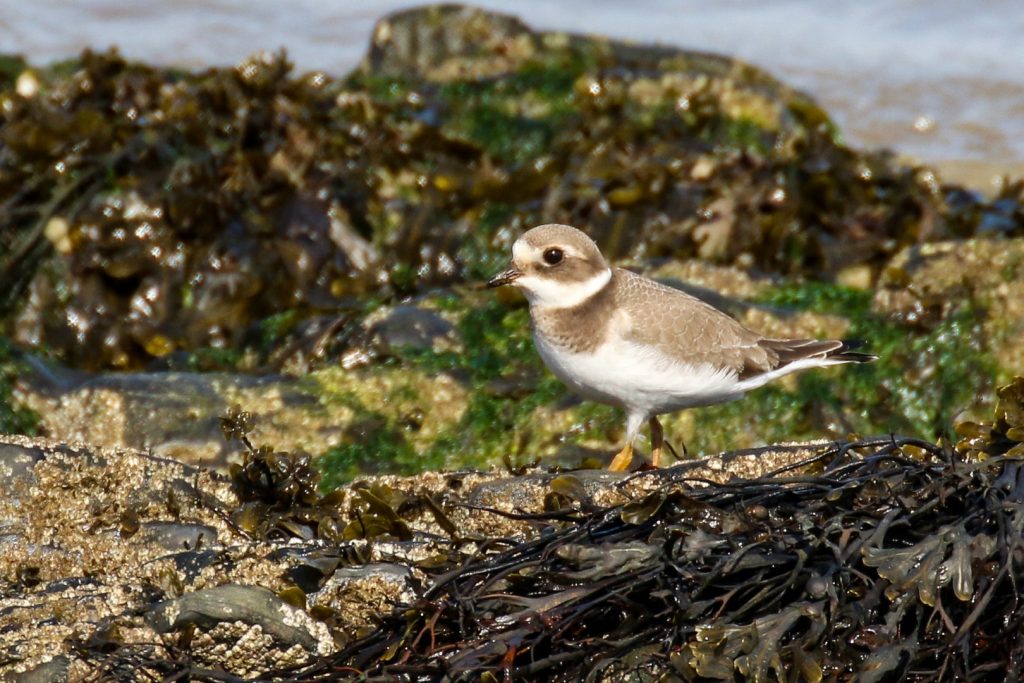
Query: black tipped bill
[505,277]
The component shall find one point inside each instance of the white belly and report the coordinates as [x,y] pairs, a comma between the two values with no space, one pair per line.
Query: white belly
[638,378]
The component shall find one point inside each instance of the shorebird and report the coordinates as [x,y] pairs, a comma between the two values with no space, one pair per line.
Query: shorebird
[619,338]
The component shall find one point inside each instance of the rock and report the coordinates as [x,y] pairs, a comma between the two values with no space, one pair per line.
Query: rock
[412,327]
[365,592]
[178,414]
[52,671]
[174,414]
[179,535]
[250,605]
[16,463]
[89,552]
[922,285]
[448,42]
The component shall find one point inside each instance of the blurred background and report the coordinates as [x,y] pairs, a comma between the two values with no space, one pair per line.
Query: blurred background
[290,207]
[938,80]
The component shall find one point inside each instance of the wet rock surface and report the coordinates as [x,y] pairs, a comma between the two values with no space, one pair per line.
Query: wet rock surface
[150,213]
[252,605]
[116,546]
[796,557]
[293,260]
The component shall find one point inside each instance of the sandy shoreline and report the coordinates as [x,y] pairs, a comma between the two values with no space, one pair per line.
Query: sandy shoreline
[987,177]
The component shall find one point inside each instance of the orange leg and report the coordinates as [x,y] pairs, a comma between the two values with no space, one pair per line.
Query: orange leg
[622,460]
[657,440]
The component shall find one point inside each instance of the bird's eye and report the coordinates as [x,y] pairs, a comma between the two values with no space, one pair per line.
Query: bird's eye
[553,257]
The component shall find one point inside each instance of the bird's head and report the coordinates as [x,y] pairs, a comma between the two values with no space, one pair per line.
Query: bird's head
[556,266]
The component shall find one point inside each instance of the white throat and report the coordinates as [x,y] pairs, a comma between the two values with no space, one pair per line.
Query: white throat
[550,293]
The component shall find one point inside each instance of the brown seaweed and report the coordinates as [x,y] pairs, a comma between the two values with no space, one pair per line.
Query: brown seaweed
[877,559]
[147,213]
[894,561]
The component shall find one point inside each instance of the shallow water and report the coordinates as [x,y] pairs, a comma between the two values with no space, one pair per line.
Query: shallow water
[939,80]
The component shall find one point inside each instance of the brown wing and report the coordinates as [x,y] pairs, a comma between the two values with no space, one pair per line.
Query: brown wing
[695,332]
[685,327]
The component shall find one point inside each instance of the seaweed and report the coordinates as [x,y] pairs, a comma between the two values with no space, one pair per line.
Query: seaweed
[888,558]
[893,560]
[151,213]
[277,491]
[282,495]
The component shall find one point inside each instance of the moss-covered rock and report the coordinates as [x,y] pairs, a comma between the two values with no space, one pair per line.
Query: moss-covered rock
[148,213]
[305,246]
[797,557]
[925,285]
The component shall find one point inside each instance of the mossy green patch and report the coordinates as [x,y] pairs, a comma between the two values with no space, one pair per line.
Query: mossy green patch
[918,382]
[13,418]
[209,359]
[493,426]
[514,119]
[739,133]
[371,447]
[384,89]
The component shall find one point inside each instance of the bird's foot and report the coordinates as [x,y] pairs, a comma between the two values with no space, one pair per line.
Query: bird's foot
[622,459]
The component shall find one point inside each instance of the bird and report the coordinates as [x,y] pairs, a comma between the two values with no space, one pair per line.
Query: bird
[619,338]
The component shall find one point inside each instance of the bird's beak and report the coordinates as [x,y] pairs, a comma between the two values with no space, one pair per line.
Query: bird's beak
[506,277]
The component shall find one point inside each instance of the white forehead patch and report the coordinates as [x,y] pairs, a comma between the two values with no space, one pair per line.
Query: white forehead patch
[521,252]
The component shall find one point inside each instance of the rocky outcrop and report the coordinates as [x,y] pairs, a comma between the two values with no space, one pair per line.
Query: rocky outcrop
[826,557]
[146,554]
[325,281]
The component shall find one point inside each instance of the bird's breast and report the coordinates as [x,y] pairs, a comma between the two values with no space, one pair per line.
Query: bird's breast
[634,376]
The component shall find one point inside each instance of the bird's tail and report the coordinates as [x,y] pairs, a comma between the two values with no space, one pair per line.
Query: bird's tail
[834,350]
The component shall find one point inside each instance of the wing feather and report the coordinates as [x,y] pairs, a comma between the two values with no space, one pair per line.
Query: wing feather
[683,327]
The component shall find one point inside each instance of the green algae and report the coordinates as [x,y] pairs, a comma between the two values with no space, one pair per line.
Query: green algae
[371,447]
[14,418]
[495,116]
[916,386]
[212,201]
[513,407]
